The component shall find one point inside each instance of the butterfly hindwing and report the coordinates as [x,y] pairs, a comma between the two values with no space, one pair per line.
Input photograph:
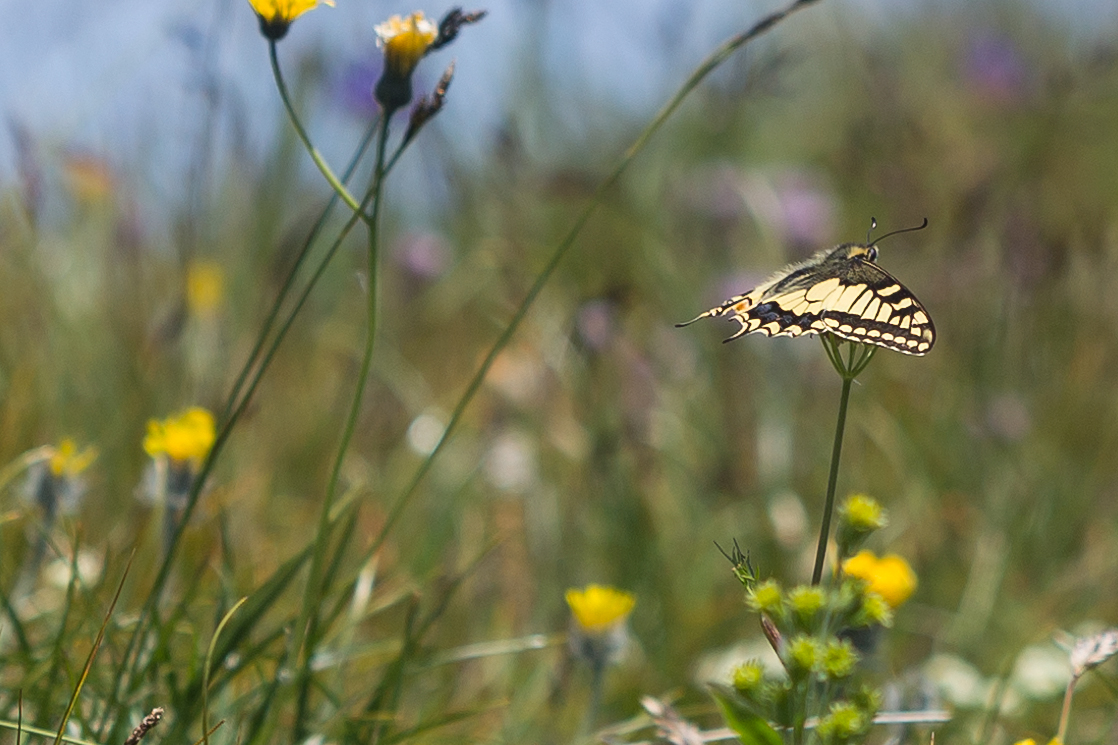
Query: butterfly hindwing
[840,291]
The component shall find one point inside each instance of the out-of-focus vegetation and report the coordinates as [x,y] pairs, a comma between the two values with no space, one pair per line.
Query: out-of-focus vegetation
[606,446]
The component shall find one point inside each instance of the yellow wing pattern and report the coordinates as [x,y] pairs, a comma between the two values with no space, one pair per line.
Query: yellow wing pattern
[840,291]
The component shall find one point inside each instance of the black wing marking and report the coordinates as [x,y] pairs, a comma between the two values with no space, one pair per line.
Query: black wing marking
[833,292]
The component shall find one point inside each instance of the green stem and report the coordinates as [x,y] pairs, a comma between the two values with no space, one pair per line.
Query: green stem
[716,58]
[131,655]
[289,280]
[832,481]
[319,161]
[314,589]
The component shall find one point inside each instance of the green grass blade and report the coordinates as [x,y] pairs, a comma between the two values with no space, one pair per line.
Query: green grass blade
[92,654]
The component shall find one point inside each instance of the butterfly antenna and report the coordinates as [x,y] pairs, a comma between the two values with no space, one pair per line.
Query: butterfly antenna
[921,226]
[873,227]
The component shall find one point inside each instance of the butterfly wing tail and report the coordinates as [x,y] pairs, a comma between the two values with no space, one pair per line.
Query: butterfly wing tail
[705,314]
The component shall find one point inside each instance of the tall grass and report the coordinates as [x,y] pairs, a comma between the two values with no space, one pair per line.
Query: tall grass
[602,445]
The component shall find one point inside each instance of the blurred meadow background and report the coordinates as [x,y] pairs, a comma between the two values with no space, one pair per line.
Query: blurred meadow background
[153,197]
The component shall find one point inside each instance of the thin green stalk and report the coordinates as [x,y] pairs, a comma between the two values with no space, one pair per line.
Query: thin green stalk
[319,161]
[716,58]
[289,280]
[858,357]
[131,658]
[832,481]
[314,589]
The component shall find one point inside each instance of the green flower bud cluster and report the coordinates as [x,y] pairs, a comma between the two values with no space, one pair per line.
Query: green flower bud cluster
[808,626]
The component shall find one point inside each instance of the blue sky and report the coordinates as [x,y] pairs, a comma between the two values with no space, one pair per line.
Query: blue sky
[125,79]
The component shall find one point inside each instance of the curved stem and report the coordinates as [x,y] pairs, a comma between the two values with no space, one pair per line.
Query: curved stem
[233,409]
[319,161]
[289,280]
[716,58]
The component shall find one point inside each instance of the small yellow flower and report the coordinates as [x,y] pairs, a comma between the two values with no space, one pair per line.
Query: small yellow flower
[890,576]
[205,288]
[186,436]
[598,608]
[67,461]
[89,177]
[276,15]
[405,41]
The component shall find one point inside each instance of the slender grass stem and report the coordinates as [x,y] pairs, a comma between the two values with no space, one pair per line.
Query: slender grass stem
[316,156]
[713,60]
[131,659]
[289,280]
[314,588]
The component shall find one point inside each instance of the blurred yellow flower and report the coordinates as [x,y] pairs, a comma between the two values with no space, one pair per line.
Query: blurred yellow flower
[598,608]
[890,576]
[188,435]
[89,177]
[277,15]
[405,41]
[1031,741]
[205,288]
[67,461]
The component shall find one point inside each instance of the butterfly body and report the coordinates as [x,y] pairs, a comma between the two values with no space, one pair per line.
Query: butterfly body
[840,291]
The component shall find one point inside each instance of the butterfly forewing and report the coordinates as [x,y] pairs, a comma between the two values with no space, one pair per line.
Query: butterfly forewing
[841,292]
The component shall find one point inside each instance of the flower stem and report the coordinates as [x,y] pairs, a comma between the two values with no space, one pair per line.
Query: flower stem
[857,358]
[289,280]
[314,588]
[832,481]
[716,58]
[1065,711]
[319,161]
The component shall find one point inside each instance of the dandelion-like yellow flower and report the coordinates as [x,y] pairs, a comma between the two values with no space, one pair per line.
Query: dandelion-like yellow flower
[405,41]
[186,436]
[67,461]
[890,576]
[598,608]
[205,288]
[276,15]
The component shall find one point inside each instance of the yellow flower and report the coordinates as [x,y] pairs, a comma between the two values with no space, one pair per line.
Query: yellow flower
[890,576]
[405,41]
[67,461]
[205,288]
[598,609]
[188,435]
[276,15]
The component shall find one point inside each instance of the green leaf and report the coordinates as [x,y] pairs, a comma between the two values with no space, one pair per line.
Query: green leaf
[750,728]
